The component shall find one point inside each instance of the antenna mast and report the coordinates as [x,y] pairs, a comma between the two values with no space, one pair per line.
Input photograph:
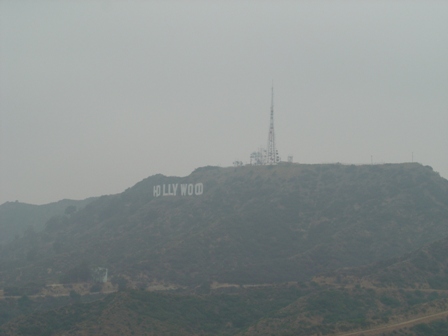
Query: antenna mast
[272,154]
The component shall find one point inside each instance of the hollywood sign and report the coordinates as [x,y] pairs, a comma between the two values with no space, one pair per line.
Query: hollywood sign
[173,188]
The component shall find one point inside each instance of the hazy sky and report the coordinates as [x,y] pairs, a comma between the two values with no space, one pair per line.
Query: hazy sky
[97,95]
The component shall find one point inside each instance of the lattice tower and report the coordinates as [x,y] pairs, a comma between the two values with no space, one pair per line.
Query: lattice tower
[272,154]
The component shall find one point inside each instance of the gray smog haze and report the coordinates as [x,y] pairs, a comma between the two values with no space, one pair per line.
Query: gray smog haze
[97,95]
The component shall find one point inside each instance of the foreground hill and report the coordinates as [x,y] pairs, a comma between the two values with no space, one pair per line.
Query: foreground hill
[17,217]
[144,313]
[292,309]
[252,224]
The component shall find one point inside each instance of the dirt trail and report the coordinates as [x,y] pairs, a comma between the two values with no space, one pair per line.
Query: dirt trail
[391,327]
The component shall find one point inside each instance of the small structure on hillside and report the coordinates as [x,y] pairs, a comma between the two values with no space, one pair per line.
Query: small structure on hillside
[99,274]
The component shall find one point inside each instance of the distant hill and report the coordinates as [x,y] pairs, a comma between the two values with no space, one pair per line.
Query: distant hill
[16,217]
[251,224]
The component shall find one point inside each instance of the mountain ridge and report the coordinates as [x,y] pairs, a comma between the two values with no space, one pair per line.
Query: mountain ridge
[252,224]
[16,217]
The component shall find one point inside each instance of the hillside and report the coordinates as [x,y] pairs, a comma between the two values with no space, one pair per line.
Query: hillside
[340,311]
[289,309]
[425,268]
[17,217]
[407,295]
[144,313]
[252,224]
[361,247]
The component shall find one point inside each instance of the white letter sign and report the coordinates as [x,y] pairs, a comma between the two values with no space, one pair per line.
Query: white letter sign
[171,189]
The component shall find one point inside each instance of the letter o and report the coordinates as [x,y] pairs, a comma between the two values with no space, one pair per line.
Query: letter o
[198,188]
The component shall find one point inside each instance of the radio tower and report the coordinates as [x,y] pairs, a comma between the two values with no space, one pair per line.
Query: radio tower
[272,154]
